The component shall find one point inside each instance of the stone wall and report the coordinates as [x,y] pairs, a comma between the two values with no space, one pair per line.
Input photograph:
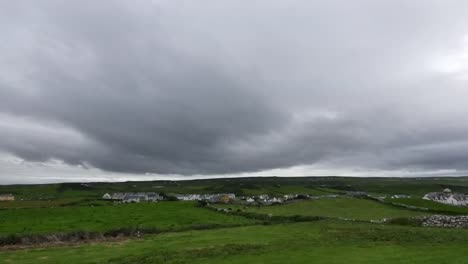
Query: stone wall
[446,221]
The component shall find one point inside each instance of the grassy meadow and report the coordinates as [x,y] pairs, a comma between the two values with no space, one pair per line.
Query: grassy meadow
[162,215]
[323,242]
[342,207]
[431,205]
[193,234]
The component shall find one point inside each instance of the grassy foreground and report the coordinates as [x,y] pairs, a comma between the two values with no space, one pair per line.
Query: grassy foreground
[324,242]
[104,218]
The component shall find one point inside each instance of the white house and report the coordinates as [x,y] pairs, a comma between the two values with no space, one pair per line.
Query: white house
[276,200]
[400,196]
[447,197]
[7,197]
[457,199]
[131,199]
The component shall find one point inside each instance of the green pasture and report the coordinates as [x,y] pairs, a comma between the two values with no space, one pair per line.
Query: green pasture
[323,242]
[343,207]
[431,205]
[104,218]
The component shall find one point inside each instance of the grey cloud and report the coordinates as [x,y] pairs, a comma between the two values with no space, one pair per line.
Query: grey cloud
[210,88]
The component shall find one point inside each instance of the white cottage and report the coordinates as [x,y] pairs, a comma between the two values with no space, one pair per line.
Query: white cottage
[447,197]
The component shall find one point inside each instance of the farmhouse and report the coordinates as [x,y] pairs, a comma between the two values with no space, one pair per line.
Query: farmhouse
[400,196]
[447,197]
[357,194]
[224,198]
[153,197]
[7,197]
[133,197]
[212,198]
[290,196]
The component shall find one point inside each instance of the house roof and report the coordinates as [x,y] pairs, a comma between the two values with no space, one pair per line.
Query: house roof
[445,196]
[437,196]
[459,197]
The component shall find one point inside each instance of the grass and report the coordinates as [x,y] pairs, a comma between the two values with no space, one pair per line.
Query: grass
[344,207]
[325,242]
[72,207]
[38,203]
[431,205]
[104,218]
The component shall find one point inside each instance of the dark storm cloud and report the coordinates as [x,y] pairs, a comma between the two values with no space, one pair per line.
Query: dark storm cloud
[227,87]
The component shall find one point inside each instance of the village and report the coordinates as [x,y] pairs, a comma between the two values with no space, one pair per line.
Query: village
[263,199]
[445,197]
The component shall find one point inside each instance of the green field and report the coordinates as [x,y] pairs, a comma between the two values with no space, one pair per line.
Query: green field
[183,232]
[324,242]
[431,205]
[343,207]
[39,203]
[103,218]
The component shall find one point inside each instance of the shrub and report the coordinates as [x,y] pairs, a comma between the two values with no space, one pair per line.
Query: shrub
[405,221]
[172,198]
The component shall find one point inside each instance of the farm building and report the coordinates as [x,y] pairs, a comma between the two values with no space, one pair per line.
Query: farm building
[134,197]
[357,194]
[225,198]
[7,197]
[401,196]
[212,198]
[447,197]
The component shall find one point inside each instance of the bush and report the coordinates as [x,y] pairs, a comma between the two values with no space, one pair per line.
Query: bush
[172,198]
[10,240]
[405,221]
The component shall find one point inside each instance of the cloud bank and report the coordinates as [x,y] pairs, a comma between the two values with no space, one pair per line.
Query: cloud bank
[234,87]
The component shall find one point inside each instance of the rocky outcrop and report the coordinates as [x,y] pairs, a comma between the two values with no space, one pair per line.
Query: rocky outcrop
[446,221]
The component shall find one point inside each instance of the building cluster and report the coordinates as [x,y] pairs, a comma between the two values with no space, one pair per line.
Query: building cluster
[262,199]
[133,197]
[400,196]
[447,197]
[357,194]
[265,199]
[7,197]
[212,198]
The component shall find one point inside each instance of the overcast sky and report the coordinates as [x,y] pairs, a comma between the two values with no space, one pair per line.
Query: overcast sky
[121,90]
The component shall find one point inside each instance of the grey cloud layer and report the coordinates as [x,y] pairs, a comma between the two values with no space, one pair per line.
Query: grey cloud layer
[211,88]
